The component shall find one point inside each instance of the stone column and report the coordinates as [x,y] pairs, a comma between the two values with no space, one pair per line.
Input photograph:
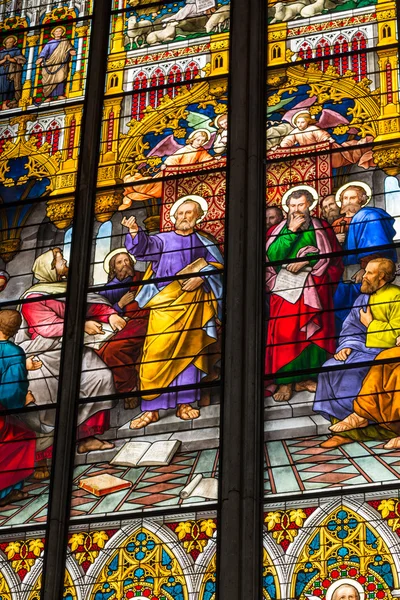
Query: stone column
[239,562]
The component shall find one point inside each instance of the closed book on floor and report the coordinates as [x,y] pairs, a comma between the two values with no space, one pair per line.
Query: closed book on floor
[146,454]
[101,485]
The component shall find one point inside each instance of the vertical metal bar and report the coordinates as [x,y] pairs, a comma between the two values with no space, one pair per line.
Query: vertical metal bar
[240,522]
[68,393]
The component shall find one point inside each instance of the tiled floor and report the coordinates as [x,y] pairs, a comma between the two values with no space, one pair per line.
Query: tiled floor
[301,465]
[153,487]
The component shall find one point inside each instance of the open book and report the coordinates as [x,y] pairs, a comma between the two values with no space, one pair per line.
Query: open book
[101,485]
[146,454]
[203,487]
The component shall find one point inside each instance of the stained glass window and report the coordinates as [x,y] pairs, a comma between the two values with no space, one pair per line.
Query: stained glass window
[147,414]
[331,391]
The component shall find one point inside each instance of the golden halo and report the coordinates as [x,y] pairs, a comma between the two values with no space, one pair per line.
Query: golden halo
[106,263]
[10,37]
[347,581]
[193,198]
[205,131]
[298,113]
[58,27]
[361,184]
[216,120]
[307,188]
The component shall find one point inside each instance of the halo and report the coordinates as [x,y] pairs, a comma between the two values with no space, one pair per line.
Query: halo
[216,120]
[347,581]
[344,187]
[304,111]
[307,188]
[58,27]
[193,198]
[205,131]
[106,263]
[12,37]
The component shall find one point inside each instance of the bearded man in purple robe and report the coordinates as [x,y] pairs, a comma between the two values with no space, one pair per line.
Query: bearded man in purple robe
[182,311]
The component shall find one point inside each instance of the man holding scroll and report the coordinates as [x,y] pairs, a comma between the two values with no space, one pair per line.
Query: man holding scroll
[301,324]
[183,310]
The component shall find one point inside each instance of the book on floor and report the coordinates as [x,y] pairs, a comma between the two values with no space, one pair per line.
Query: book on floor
[201,487]
[101,485]
[146,454]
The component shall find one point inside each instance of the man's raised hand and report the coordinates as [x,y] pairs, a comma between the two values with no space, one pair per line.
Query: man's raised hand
[131,225]
[366,317]
[126,299]
[343,354]
[116,322]
[296,222]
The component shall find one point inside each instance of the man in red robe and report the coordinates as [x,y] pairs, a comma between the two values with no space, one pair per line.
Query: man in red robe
[301,279]
[123,352]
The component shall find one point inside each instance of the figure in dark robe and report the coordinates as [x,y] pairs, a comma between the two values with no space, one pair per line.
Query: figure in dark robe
[11,63]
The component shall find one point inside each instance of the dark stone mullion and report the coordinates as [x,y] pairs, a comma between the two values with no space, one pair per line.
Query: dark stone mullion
[239,562]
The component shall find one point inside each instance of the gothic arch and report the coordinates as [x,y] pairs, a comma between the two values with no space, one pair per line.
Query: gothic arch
[343,543]
[116,546]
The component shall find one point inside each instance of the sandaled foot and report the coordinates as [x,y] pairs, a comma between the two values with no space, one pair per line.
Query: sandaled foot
[392,444]
[130,403]
[306,386]
[42,471]
[335,441]
[91,443]
[13,496]
[283,393]
[150,416]
[187,412]
[353,421]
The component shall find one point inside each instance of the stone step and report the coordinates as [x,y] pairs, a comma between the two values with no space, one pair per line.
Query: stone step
[198,434]
[300,405]
[295,427]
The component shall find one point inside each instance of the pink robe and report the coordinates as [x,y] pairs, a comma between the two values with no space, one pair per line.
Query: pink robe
[315,135]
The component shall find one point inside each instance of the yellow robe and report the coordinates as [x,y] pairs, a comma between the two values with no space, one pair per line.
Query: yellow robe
[175,335]
[385,327]
[377,398]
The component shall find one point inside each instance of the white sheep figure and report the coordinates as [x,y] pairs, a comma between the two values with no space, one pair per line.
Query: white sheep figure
[167,34]
[316,8]
[288,12]
[137,30]
[219,21]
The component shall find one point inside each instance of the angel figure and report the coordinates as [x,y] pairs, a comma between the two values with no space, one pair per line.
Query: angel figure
[195,151]
[306,131]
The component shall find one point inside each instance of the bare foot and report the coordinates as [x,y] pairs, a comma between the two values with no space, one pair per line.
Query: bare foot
[392,444]
[131,402]
[187,412]
[308,386]
[283,393]
[91,443]
[42,470]
[335,441]
[13,496]
[353,421]
[150,416]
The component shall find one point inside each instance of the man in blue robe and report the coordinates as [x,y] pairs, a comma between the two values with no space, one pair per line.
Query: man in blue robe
[54,60]
[365,232]
[11,63]
[372,325]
